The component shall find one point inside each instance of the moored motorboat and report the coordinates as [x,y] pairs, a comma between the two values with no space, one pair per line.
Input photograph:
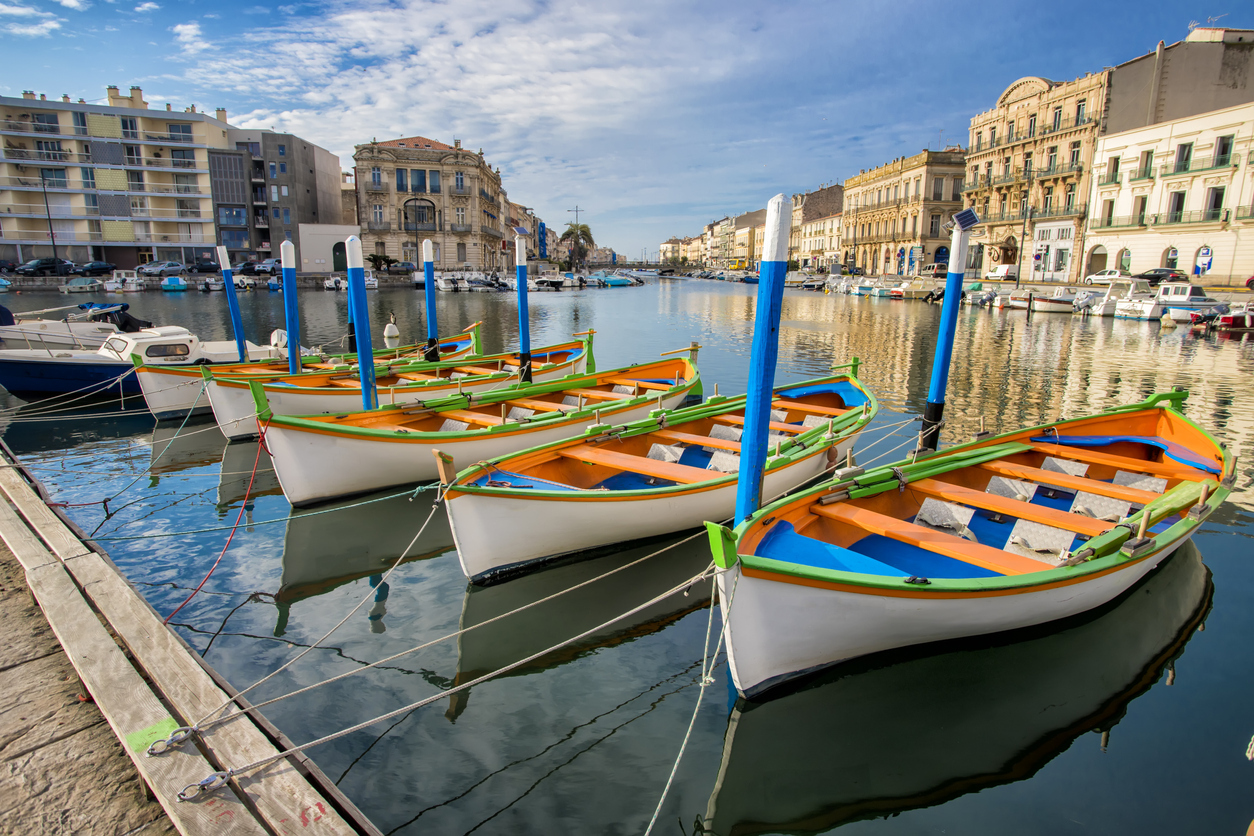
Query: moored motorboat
[321,457]
[1177,298]
[1119,290]
[398,382]
[1062,300]
[82,284]
[84,327]
[666,473]
[1239,318]
[172,391]
[1003,532]
[173,284]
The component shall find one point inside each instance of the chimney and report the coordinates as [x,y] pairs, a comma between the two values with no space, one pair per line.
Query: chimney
[82,101]
[28,94]
[167,107]
[457,143]
[43,97]
[192,109]
[137,97]
[65,97]
[220,114]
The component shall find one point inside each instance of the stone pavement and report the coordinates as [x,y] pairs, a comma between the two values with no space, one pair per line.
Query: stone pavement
[61,768]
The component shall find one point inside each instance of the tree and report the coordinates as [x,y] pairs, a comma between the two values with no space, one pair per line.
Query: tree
[579,236]
[380,262]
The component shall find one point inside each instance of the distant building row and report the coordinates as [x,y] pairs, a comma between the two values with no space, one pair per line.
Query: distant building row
[1147,164]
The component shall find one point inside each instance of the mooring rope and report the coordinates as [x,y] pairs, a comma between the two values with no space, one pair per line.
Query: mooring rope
[52,405]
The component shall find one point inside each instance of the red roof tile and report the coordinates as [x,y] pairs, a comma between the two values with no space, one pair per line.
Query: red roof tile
[417,142]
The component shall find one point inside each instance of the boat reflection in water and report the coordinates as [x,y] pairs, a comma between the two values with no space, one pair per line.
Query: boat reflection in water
[324,548]
[238,461]
[909,734]
[177,446]
[492,646]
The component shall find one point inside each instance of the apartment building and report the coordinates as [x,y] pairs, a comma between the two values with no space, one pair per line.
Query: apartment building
[823,203]
[819,243]
[1028,173]
[747,234]
[413,189]
[894,214]
[117,182]
[1176,194]
[669,251]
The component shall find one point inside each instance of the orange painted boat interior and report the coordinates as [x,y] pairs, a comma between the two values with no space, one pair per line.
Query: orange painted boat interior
[853,523]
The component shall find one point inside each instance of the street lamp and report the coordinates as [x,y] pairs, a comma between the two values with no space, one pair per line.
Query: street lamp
[52,236]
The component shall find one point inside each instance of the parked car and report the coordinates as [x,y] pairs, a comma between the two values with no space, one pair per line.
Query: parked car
[162,268]
[402,267]
[95,268]
[46,267]
[271,267]
[855,271]
[1003,273]
[1107,276]
[934,271]
[7,266]
[204,265]
[245,268]
[1158,275]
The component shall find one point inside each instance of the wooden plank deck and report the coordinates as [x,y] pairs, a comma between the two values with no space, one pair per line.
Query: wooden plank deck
[277,798]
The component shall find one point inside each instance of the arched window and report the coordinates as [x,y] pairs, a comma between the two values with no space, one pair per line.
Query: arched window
[1171,258]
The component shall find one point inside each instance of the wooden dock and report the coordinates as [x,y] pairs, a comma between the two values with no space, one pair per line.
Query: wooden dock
[146,681]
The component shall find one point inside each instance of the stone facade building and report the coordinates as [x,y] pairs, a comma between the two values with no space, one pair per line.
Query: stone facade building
[1028,174]
[413,189]
[824,203]
[894,214]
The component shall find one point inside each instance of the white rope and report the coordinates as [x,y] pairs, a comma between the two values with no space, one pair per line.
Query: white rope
[53,405]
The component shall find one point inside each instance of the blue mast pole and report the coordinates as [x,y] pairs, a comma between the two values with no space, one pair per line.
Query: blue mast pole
[237,322]
[361,319]
[773,268]
[929,436]
[524,327]
[428,288]
[291,310]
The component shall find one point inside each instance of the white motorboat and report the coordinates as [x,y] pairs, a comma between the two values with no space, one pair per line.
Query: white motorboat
[1180,298]
[82,284]
[1097,303]
[1061,301]
[83,328]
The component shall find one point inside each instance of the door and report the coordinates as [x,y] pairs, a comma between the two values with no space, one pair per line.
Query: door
[339,258]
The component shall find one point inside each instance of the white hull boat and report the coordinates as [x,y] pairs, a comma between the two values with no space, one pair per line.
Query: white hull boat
[1178,298]
[1062,301]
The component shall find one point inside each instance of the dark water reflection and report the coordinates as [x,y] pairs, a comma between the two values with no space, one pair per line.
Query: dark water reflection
[980,738]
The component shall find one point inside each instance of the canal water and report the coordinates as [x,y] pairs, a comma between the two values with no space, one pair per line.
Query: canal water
[1135,718]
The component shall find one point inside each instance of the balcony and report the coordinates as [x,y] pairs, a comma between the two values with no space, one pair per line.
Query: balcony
[1146,173]
[1119,222]
[1112,179]
[264,245]
[31,127]
[168,138]
[379,226]
[462,227]
[172,238]
[461,190]
[1198,216]
[487,230]
[424,226]
[376,187]
[66,237]
[1195,166]
[1009,177]
[1245,213]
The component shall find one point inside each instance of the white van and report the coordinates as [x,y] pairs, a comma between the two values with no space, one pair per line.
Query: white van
[1003,273]
[934,271]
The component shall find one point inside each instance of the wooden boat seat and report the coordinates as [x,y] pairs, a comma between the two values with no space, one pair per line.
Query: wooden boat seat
[643,384]
[987,557]
[345,384]
[800,406]
[477,370]
[471,417]
[1012,507]
[739,421]
[1065,480]
[702,440]
[539,406]
[417,376]
[1080,454]
[672,471]
[596,394]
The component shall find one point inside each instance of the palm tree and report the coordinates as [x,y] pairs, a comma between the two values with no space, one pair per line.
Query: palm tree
[580,238]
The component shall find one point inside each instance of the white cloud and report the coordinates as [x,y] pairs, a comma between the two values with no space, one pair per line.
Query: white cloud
[35,30]
[147,7]
[21,11]
[189,37]
[40,24]
[76,5]
[212,16]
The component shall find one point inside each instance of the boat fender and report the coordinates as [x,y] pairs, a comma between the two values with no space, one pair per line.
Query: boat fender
[918,580]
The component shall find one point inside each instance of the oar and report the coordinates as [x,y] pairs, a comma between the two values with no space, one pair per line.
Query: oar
[237,323]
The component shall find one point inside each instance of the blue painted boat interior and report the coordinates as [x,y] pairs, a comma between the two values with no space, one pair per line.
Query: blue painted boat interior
[1174,451]
[850,394]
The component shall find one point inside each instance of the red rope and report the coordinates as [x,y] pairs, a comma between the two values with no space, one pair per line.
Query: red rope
[234,528]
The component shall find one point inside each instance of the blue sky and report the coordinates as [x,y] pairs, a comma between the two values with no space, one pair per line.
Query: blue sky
[654,117]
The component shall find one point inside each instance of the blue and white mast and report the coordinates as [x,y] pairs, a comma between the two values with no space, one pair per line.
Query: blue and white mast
[929,436]
[361,319]
[432,351]
[753,446]
[291,310]
[524,325]
[237,322]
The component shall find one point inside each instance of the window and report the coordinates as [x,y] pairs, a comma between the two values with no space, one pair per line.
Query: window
[274,194]
[1175,207]
[433,179]
[275,212]
[1010,131]
[914,225]
[1003,205]
[1005,166]
[1145,165]
[1108,212]
[957,192]
[1061,257]
[282,150]
[1171,258]
[232,216]
[135,181]
[1184,156]
[45,123]
[1069,205]
[1074,160]
[1047,202]
[130,127]
[376,214]
[1051,161]
[287,235]
[287,215]
[1223,151]
[92,203]
[1032,125]
[435,255]
[938,188]
[1080,111]
[459,180]
[139,206]
[1027,163]
[461,215]
[1138,208]
[979,140]
[54,178]
[133,155]
[418,180]
[183,158]
[897,192]
[187,208]
[235,239]
[1057,123]
[376,176]
[80,124]
[1214,203]
[402,184]
[274,170]
[282,168]
[253,148]
[89,177]
[283,190]
[461,253]
[992,136]
[934,229]
[179,132]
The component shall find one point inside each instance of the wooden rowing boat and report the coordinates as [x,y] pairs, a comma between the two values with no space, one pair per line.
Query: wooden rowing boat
[667,473]
[339,390]
[174,391]
[995,534]
[320,457]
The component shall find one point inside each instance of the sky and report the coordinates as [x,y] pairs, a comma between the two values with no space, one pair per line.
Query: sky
[654,117]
